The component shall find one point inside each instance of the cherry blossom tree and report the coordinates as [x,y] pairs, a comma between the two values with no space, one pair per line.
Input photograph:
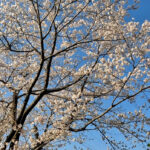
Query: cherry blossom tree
[71,66]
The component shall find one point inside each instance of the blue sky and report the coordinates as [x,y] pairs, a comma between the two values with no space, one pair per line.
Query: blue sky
[141,14]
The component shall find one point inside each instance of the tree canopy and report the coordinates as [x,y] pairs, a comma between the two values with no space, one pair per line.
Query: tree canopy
[71,66]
